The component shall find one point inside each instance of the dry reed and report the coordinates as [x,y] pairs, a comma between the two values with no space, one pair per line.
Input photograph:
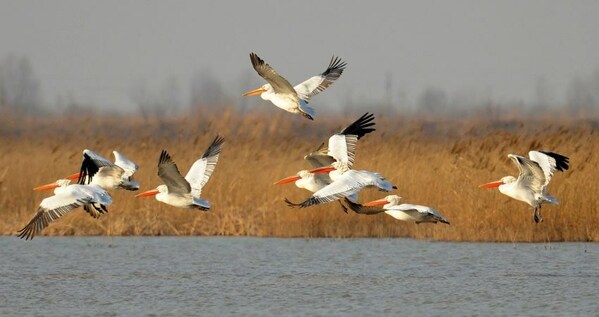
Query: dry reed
[436,163]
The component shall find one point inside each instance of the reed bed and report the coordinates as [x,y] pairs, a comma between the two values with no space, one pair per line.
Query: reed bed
[438,163]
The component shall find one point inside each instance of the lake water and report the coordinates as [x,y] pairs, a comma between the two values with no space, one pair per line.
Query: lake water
[213,276]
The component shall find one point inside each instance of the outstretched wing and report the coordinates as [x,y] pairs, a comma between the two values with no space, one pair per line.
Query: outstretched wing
[317,84]
[200,171]
[320,157]
[278,83]
[169,173]
[531,174]
[54,207]
[549,163]
[348,184]
[126,164]
[360,127]
[343,148]
[91,164]
[423,213]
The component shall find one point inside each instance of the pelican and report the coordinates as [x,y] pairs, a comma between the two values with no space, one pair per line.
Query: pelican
[405,212]
[294,99]
[346,182]
[96,169]
[66,198]
[535,174]
[184,192]
[339,145]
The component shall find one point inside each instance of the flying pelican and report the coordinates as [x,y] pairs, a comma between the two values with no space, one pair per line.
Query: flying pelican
[96,169]
[184,192]
[535,174]
[339,145]
[66,198]
[346,182]
[294,99]
[405,212]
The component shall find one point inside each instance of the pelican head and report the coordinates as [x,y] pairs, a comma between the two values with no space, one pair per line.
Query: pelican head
[153,192]
[388,201]
[262,91]
[56,184]
[502,181]
[300,175]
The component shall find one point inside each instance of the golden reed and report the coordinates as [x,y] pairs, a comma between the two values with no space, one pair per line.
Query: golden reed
[435,163]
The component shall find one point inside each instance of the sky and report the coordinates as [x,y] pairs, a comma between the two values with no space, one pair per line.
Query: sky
[98,52]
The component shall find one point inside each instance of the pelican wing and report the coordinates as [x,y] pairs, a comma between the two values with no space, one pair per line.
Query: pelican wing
[317,84]
[54,207]
[360,127]
[324,157]
[343,148]
[169,173]
[424,213]
[348,184]
[129,167]
[91,164]
[320,157]
[361,209]
[278,83]
[200,171]
[549,163]
[531,174]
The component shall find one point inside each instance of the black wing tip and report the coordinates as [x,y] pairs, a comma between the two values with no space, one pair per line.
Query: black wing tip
[307,203]
[337,63]
[361,127]
[290,203]
[26,233]
[88,170]
[214,147]
[256,60]
[164,157]
[562,163]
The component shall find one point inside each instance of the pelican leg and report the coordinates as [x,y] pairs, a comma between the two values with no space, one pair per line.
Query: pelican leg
[307,116]
[537,215]
[343,208]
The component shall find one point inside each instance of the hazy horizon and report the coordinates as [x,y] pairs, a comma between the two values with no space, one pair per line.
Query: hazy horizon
[102,53]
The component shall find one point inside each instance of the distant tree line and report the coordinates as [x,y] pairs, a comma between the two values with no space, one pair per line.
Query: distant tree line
[19,89]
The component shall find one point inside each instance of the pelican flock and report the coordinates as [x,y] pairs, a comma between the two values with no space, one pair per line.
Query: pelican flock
[331,178]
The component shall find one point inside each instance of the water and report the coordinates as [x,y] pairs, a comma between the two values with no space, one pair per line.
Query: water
[193,276]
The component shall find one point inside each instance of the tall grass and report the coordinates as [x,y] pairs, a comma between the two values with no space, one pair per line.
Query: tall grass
[435,163]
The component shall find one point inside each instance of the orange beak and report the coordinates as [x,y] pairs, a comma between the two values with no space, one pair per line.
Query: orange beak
[74,176]
[491,184]
[287,180]
[148,193]
[254,92]
[46,187]
[321,170]
[379,202]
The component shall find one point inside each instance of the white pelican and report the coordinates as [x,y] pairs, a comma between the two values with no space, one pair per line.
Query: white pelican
[346,182]
[294,99]
[66,198]
[405,212]
[96,169]
[341,147]
[340,144]
[535,174]
[184,192]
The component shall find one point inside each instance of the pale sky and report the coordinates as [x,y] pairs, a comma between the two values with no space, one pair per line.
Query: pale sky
[98,50]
